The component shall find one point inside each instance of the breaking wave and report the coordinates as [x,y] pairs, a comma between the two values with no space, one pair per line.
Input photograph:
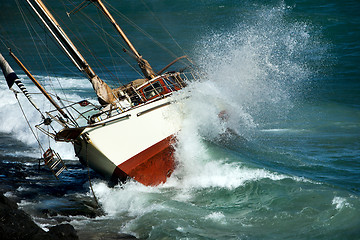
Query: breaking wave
[252,75]
[13,122]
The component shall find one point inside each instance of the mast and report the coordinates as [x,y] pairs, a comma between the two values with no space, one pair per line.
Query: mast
[143,64]
[103,91]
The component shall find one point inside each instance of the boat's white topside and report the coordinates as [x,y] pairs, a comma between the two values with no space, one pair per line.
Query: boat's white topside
[123,136]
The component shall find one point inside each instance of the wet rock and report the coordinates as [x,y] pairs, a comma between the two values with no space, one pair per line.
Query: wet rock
[126,237]
[4,201]
[72,207]
[106,236]
[63,231]
[16,224]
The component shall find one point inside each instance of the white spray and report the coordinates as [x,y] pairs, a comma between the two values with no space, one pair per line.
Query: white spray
[253,73]
[12,120]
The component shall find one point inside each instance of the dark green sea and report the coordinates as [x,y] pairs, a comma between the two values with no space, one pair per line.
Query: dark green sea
[285,164]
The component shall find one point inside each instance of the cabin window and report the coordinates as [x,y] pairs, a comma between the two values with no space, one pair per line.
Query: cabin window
[153,90]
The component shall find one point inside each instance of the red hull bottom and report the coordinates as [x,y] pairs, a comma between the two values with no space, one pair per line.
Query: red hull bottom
[150,167]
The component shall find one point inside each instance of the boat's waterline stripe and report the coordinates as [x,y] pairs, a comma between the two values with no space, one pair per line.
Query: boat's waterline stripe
[151,166]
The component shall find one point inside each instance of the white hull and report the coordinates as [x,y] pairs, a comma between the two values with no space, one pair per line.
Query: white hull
[124,136]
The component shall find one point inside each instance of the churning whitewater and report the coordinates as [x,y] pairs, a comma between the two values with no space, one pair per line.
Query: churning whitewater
[267,150]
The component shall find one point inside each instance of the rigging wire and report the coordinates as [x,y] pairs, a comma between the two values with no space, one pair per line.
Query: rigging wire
[163,26]
[78,36]
[3,41]
[168,32]
[28,28]
[125,18]
[47,47]
[86,22]
[6,42]
[29,25]
[28,123]
[100,15]
[132,24]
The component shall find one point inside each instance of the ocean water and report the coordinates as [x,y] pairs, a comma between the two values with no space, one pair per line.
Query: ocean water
[283,165]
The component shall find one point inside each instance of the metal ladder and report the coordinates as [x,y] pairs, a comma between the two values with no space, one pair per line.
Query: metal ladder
[53,160]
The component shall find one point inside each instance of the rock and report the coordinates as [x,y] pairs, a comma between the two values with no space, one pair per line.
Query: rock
[126,237]
[5,201]
[63,231]
[16,224]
